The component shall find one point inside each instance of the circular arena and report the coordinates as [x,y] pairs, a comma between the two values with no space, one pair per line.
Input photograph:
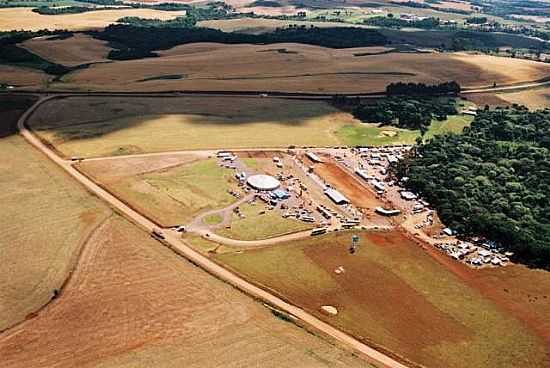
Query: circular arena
[263,182]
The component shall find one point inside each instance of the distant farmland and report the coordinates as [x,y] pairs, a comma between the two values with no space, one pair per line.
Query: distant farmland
[298,68]
[72,51]
[26,19]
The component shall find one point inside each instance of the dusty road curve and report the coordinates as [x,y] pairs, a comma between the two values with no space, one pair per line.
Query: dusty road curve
[174,242]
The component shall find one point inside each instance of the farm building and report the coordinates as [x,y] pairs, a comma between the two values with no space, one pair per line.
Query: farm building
[263,182]
[336,196]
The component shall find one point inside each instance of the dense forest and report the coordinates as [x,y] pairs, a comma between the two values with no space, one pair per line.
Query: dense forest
[421,89]
[493,180]
[136,42]
[407,113]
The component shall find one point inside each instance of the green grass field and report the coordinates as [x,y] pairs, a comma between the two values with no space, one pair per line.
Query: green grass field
[255,226]
[213,219]
[371,134]
[177,195]
[394,294]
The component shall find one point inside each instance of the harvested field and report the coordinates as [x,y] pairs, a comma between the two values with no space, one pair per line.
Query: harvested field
[534,98]
[76,50]
[169,190]
[46,217]
[257,25]
[133,303]
[26,19]
[23,77]
[406,301]
[491,99]
[298,68]
[115,126]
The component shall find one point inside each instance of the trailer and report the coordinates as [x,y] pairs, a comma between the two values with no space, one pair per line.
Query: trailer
[319,231]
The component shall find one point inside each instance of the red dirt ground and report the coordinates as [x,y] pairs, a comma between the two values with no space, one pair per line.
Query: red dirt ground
[351,188]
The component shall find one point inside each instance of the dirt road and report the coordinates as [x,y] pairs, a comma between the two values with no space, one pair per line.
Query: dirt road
[174,242]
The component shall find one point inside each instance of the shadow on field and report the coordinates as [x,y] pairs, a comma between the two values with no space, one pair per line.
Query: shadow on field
[76,118]
[11,108]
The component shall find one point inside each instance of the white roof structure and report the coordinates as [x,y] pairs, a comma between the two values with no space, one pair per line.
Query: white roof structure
[263,182]
[313,157]
[336,196]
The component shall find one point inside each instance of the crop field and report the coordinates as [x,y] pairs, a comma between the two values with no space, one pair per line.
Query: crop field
[297,68]
[76,50]
[118,126]
[169,190]
[46,217]
[533,98]
[23,77]
[256,226]
[258,25]
[132,302]
[26,19]
[408,301]
[132,125]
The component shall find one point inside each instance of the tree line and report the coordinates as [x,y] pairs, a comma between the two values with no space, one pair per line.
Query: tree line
[407,113]
[493,180]
[421,89]
[132,42]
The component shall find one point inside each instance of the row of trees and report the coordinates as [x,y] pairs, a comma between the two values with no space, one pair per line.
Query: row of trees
[407,113]
[492,180]
[391,22]
[421,89]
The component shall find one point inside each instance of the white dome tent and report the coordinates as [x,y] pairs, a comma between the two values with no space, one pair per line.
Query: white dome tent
[263,182]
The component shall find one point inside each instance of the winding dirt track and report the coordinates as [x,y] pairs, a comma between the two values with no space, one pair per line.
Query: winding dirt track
[174,242]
